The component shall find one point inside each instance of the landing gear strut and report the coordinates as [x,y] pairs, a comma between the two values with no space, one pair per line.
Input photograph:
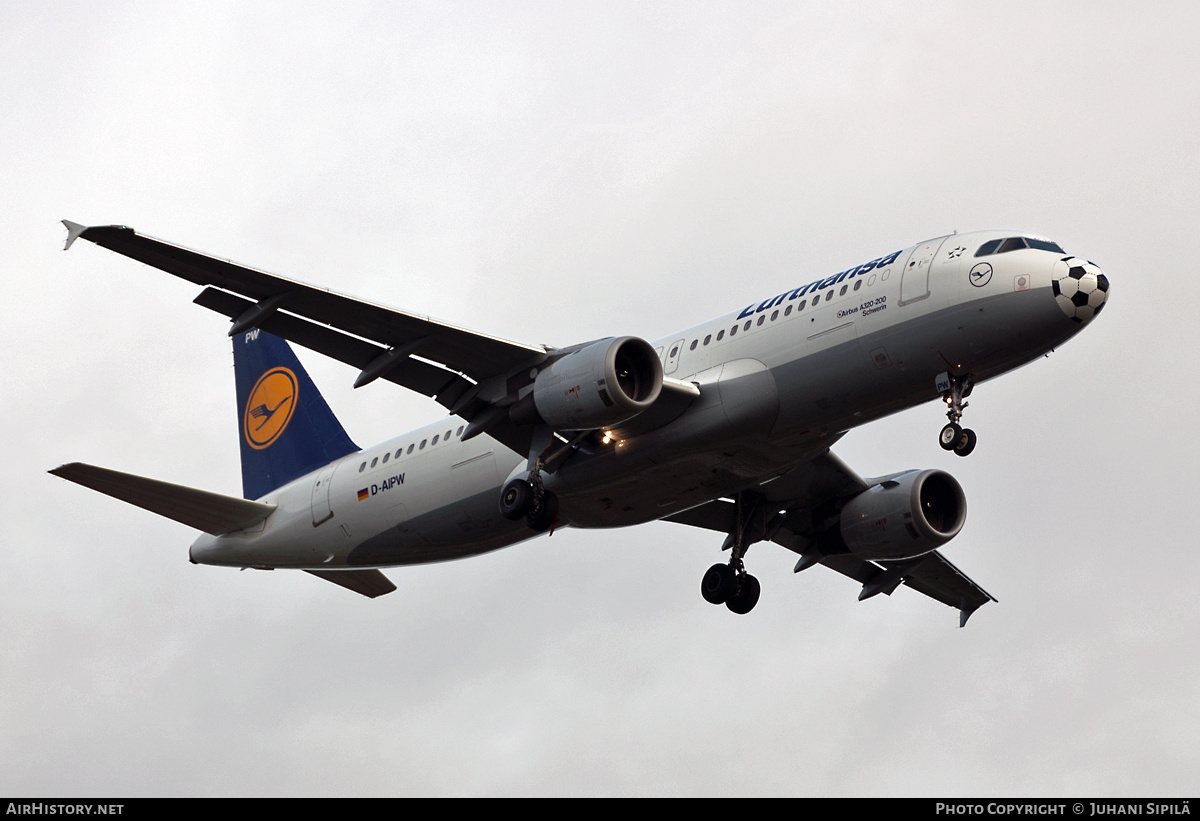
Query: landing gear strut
[730,584]
[953,436]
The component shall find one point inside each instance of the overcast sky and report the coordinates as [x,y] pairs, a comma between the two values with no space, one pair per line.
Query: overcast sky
[552,173]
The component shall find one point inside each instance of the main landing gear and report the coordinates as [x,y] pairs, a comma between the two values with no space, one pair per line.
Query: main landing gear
[525,498]
[734,587]
[730,584]
[953,436]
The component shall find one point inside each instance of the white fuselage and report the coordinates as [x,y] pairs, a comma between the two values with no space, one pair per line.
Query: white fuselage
[780,380]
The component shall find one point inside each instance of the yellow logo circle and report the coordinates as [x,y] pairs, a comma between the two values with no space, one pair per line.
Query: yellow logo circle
[269,407]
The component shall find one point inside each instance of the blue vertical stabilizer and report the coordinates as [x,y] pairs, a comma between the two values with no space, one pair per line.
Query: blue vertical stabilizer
[286,428]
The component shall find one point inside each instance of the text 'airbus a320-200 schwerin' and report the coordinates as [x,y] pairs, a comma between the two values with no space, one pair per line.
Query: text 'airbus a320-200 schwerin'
[725,426]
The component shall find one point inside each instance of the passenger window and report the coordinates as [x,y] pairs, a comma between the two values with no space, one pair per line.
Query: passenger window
[446,438]
[422,445]
[460,430]
[362,467]
[398,452]
[707,339]
[386,456]
[816,299]
[695,342]
[788,311]
[435,439]
[774,315]
[800,307]
[375,461]
[857,284]
[843,291]
[761,320]
[720,335]
[410,448]
[746,327]
[733,330]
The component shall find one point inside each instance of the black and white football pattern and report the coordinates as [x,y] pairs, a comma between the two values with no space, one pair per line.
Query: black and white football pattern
[1082,290]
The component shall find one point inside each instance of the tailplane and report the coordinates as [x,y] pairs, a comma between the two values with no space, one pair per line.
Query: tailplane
[211,512]
[286,428]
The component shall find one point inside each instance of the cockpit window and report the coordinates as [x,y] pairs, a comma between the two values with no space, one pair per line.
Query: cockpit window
[1044,245]
[1001,246]
[988,248]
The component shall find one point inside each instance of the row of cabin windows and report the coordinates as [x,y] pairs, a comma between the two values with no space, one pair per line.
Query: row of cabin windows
[774,315]
[1003,246]
[402,450]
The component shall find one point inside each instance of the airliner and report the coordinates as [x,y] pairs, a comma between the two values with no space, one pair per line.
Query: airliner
[725,426]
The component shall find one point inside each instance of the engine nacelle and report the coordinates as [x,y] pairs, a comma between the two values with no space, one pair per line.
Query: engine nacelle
[905,516]
[600,385]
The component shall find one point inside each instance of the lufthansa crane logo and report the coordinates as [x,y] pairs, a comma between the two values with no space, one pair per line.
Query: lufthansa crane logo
[980,275]
[269,407]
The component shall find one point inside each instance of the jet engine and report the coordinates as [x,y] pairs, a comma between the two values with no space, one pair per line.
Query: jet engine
[602,384]
[904,516]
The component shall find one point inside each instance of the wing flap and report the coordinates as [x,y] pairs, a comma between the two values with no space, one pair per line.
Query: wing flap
[932,575]
[718,515]
[212,513]
[424,377]
[938,579]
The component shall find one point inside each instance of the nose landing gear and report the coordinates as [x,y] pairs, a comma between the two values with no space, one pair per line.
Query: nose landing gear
[953,436]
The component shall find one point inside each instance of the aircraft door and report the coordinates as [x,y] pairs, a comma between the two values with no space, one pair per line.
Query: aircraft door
[321,511]
[914,281]
[673,356]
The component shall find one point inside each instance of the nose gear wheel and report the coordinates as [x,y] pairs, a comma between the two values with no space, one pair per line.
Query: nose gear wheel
[953,436]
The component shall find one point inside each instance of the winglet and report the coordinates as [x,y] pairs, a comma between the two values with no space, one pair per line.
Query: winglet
[965,613]
[74,229]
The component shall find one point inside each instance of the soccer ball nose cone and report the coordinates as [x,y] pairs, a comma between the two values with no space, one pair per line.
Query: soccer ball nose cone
[1080,288]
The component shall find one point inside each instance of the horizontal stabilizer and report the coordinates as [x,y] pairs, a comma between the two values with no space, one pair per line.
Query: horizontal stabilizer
[371,583]
[212,513]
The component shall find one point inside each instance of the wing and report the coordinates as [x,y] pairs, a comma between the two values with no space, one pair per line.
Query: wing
[476,355]
[796,510]
[439,360]
[466,372]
